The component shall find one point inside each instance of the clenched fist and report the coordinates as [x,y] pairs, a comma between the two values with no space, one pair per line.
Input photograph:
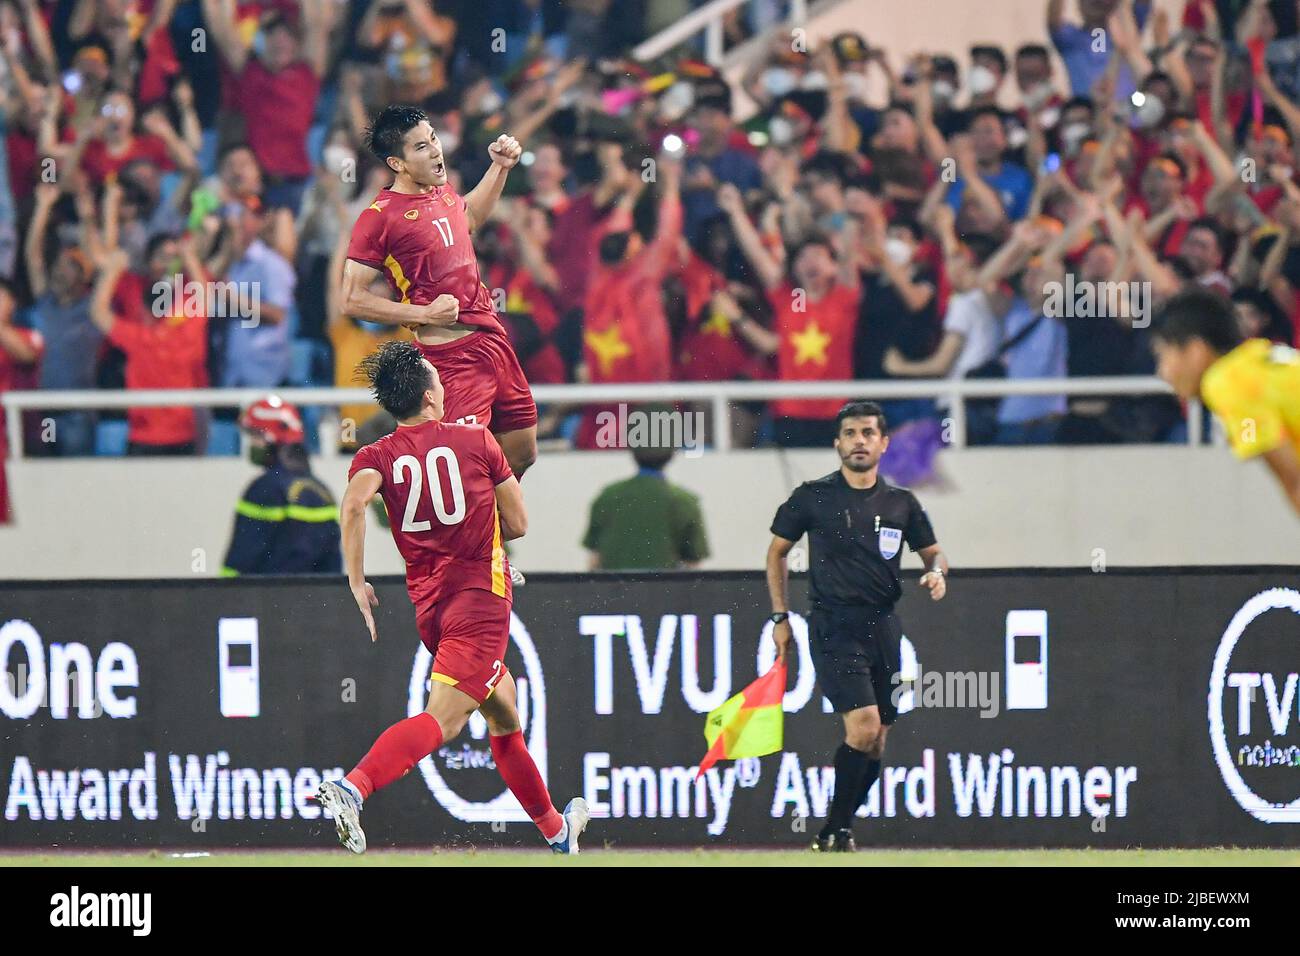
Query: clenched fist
[505,152]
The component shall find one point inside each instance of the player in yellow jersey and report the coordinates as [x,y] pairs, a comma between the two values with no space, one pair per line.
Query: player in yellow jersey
[1253,386]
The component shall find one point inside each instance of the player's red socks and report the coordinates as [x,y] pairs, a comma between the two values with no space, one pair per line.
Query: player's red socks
[398,749]
[515,764]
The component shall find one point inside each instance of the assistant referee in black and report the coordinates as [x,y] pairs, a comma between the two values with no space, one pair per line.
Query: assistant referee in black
[856,524]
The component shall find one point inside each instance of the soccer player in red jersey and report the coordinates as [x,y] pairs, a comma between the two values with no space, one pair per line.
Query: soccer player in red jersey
[453,501]
[417,234]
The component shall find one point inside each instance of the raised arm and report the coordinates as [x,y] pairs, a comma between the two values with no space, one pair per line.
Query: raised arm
[1163,279]
[1225,174]
[1273,96]
[759,338]
[932,141]
[1222,130]
[480,200]
[316,17]
[1127,38]
[191,129]
[668,229]
[537,116]
[1011,255]
[39,38]
[181,153]
[101,310]
[1270,270]
[47,194]
[82,20]
[219,15]
[531,255]
[747,237]
[1055,15]
[977,190]
[838,128]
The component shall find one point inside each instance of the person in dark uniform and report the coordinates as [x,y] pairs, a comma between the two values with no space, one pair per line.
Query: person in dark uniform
[287,522]
[856,524]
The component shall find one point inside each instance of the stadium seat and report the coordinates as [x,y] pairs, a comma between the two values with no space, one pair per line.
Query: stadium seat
[209,151]
[110,438]
[570,426]
[316,141]
[309,363]
[223,437]
[167,186]
[311,418]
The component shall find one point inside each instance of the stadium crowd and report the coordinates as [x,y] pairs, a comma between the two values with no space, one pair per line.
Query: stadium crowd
[966,224]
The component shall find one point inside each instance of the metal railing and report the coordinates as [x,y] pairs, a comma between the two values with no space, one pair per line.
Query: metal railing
[708,19]
[719,395]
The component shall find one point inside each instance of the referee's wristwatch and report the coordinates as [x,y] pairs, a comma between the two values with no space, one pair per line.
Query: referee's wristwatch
[779,616]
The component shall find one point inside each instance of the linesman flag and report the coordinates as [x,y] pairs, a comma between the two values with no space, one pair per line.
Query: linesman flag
[750,724]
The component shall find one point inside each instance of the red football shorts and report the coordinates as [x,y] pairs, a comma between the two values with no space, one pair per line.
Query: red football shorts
[484,382]
[467,633]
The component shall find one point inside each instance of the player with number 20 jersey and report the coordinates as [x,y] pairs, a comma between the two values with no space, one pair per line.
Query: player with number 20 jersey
[439,486]
[452,501]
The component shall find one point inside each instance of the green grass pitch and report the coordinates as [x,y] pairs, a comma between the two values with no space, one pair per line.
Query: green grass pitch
[632,857]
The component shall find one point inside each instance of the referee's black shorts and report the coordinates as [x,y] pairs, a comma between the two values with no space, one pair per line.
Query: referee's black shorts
[856,653]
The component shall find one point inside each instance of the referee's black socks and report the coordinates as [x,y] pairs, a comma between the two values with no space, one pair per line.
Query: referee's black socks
[855,772]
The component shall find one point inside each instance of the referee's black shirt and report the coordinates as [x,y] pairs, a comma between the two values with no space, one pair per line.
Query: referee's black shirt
[855,538]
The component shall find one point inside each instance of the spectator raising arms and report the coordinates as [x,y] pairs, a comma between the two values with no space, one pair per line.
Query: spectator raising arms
[816,311]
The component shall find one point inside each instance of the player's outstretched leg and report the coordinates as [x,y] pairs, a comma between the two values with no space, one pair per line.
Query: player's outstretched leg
[398,749]
[517,769]
[340,800]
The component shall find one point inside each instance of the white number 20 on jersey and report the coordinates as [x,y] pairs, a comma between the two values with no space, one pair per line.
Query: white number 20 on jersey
[409,464]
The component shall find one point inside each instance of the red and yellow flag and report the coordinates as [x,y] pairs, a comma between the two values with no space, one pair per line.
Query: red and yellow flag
[750,724]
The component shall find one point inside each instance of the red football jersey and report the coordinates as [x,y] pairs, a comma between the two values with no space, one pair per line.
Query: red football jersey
[439,486]
[421,242]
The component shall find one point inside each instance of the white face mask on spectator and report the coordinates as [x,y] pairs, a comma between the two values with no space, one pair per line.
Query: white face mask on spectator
[1037,95]
[898,250]
[676,101]
[490,102]
[813,80]
[855,86]
[1151,112]
[778,81]
[781,130]
[943,90]
[1072,136]
[982,80]
[337,158]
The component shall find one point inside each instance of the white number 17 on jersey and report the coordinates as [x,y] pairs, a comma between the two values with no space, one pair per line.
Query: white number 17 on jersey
[444,230]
